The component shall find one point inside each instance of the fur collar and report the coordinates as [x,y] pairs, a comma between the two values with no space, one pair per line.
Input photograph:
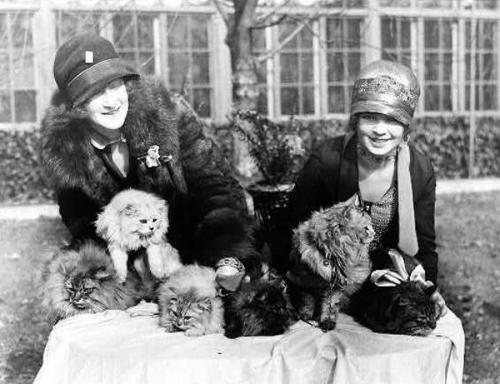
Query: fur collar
[70,160]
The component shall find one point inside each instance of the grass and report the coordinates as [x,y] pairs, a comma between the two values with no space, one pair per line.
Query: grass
[468,229]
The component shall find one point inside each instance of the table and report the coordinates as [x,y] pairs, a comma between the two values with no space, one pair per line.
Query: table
[113,347]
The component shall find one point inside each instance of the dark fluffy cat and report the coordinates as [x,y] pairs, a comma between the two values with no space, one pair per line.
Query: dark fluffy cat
[331,249]
[85,281]
[259,308]
[405,308]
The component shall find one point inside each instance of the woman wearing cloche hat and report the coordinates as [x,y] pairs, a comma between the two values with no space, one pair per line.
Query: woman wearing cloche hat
[111,129]
[375,161]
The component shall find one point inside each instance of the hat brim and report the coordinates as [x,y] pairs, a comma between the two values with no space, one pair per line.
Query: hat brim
[95,78]
[371,106]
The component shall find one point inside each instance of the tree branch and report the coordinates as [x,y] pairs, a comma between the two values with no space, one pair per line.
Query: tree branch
[222,12]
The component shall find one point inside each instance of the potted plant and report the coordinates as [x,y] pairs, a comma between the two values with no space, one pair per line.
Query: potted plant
[278,153]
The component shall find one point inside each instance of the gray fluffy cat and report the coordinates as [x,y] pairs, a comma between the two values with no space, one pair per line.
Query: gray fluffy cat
[188,302]
[85,281]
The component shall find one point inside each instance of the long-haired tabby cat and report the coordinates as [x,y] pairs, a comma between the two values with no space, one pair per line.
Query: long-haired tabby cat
[331,251]
[405,308]
[188,302]
[258,308]
[85,281]
[136,219]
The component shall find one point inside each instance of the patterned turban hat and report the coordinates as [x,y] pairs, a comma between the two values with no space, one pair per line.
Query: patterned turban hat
[388,88]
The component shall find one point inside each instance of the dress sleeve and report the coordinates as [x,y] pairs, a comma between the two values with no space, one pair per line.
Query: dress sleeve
[424,221]
[217,201]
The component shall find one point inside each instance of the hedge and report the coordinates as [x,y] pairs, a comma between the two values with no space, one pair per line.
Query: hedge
[445,140]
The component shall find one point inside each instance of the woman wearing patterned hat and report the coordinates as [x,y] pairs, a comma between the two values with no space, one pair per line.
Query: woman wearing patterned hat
[110,129]
[375,160]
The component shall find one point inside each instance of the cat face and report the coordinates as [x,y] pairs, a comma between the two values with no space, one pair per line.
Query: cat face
[412,312]
[83,290]
[188,311]
[334,237]
[133,219]
[143,220]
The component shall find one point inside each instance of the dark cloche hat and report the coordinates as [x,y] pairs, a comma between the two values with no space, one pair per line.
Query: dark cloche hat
[386,87]
[85,63]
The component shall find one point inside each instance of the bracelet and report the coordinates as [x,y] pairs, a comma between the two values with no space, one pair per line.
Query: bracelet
[231,262]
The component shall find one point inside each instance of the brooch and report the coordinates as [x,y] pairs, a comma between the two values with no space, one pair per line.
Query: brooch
[153,157]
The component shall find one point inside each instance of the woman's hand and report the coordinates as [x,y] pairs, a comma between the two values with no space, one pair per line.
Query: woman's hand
[439,303]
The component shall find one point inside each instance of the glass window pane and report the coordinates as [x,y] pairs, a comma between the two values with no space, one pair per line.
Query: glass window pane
[262,72]
[129,57]
[4,42]
[201,70]
[389,32]
[123,30]
[432,66]
[289,68]
[289,101]
[490,97]
[334,31]
[336,100]
[199,31]
[4,71]
[262,101]
[335,64]
[308,101]
[72,23]
[258,39]
[147,63]
[353,65]
[446,97]
[432,98]
[307,67]
[177,31]
[145,32]
[488,37]
[306,37]
[201,102]
[405,34]
[353,33]
[5,112]
[489,68]
[25,104]
[285,30]
[431,33]
[23,73]
[446,33]
[21,30]
[178,68]
[446,64]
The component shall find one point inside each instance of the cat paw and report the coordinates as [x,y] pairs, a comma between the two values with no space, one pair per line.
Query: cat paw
[327,325]
[194,332]
[169,328]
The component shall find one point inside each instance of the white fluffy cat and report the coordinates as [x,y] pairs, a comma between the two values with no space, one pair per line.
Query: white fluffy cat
[136,219]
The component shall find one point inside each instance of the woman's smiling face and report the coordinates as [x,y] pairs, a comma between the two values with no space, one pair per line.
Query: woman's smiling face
[108,109]
[379,134]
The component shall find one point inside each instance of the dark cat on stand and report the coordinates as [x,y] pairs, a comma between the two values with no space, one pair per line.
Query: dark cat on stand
[258,308]
[404,308]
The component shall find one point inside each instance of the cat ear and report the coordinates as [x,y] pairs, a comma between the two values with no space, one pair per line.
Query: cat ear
[129,210]
[206,304]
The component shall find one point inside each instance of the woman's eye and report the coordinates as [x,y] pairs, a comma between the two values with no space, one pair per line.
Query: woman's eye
[143,221]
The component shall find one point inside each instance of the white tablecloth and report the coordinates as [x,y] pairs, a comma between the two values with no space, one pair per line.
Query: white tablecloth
[113,347]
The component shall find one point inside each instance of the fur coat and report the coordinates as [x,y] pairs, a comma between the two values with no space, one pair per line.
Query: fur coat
[208,214]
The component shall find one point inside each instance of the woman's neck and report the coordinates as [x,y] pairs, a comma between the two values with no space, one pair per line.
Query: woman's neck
[370,161]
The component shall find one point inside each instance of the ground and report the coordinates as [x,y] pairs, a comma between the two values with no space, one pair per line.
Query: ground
[468,230]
